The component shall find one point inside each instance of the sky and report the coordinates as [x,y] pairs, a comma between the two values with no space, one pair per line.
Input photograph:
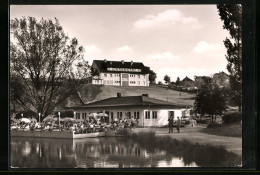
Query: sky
[173,40]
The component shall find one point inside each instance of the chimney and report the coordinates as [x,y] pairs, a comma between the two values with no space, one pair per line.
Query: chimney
[105,60]
[146,95]
[131,63]
[118,95]
[122,61]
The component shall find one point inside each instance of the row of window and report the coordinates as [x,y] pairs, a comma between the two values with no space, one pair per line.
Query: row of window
[108,81]
[138,82]
[118,75]
[119,115]
[147,114]
[118,82]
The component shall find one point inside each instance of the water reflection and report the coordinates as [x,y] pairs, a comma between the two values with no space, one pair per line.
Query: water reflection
[88,153]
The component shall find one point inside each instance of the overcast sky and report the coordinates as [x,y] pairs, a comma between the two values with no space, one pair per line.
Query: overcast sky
[177,40]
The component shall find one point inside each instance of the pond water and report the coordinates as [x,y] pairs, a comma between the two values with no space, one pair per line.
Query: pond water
[104,152]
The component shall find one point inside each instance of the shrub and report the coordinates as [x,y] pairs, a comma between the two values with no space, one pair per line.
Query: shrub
[232,118]
[214,125]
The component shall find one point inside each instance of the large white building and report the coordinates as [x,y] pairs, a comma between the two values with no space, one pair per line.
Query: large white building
[119,73]
[149,111]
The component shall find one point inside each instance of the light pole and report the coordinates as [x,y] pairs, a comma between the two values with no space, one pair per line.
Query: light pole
[39,117]
[59,118]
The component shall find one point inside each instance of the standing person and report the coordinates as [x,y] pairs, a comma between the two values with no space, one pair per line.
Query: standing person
[178,124]
[170,124]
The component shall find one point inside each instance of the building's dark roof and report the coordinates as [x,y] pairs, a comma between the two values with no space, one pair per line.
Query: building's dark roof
[129,101]
[103,65]
[187,79]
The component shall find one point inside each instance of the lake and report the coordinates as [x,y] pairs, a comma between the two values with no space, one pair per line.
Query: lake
[105,152]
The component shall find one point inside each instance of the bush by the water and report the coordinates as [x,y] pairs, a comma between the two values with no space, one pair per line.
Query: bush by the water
[202,155]
[214,125]
[232,118]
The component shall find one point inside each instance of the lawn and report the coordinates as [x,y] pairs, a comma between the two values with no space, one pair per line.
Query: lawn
[153,92]
[229,130]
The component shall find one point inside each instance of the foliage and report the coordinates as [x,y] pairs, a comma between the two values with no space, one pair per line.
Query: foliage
[214,125]
[210,100]
[152,76]
[160,83]
[26,114]
[167,79]
[43,58]
[94,72]
[178,81]
[231,15]
[64,114]
[232,118]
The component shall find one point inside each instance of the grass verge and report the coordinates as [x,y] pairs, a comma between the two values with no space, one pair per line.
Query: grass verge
[229,130]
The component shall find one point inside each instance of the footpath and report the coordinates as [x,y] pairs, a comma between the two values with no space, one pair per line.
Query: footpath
[195,135]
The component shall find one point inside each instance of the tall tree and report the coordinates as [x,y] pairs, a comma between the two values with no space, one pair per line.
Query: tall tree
[152,76]
[210,100]
[43,58]
[178,81]
[231,15]
[167,79]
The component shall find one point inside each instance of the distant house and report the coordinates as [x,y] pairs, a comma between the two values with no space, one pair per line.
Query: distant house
[148,111]
[186,82]
[119,73]
[221,79]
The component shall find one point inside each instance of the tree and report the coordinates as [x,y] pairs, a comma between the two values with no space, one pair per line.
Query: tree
[94,72]
[152,76]
[42,57]
[160,83]
[167,79]
[178,81]
[210,100]
[231,15]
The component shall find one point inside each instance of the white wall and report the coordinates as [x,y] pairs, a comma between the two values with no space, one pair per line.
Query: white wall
[115,78]
[162,117]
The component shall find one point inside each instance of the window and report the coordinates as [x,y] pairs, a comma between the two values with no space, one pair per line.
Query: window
[77,115]
[138,82]
[144,82]
[105,82]
[111,75]
[138,76]
[147,114]
[84,115]
[154,114]
[119,115]
[105,75]
[112,115]
[136,115]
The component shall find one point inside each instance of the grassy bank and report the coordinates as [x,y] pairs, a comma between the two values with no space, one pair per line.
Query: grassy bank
[203,155]
[229,130]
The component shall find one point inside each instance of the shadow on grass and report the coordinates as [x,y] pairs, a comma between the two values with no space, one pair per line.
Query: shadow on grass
[228,131]
[203,155]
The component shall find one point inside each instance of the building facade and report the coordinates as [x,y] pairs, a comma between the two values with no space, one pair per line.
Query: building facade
[119,73]
[148,111]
